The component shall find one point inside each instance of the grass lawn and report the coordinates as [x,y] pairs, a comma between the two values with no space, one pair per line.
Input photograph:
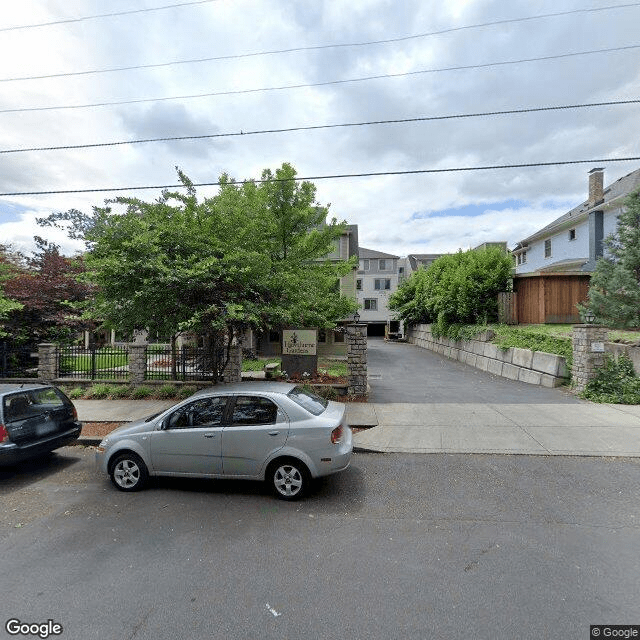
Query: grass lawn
[565,331]
[83,362]
[327,366]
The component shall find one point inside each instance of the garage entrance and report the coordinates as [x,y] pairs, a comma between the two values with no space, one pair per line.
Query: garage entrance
[376,329]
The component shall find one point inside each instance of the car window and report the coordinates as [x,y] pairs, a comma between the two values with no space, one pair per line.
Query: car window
[206,412]
[250,410]
[310,401]
[27,404]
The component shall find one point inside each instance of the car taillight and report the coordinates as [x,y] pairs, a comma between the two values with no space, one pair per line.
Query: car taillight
[3,433]
[336,435]
[75,413]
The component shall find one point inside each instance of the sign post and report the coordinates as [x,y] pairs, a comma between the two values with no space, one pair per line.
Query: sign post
[299,351]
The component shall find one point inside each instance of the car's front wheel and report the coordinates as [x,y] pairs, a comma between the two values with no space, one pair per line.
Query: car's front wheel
[289,479]
[128,472]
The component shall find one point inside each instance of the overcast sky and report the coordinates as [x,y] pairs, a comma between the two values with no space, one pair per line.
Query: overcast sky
[423,213]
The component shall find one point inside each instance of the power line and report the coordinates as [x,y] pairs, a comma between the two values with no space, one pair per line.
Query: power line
[317,47]
[106,15]
[324,126]
[334,176]
[321,84]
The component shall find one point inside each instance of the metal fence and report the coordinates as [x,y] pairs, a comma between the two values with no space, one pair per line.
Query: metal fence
[104,363]
[186,363]
[18,362]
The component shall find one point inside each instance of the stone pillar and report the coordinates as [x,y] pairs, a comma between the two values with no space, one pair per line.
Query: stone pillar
[588,353]
[357,359]
[47,362]
[233,371]
[137,363]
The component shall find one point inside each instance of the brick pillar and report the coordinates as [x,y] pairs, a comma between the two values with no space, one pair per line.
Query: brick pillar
[357,359]
[588,353]
[137,363]
[47,361]
[233,371]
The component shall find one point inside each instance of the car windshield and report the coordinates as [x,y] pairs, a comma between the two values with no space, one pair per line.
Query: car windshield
[310,401]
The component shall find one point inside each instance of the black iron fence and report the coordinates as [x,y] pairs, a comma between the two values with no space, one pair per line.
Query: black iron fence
[18,362]
[185,363]
[104,363]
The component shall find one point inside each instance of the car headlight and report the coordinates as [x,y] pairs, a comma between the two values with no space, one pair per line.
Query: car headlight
[103,445]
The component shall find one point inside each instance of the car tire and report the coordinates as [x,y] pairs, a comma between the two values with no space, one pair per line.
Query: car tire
[288,478]
[128,472]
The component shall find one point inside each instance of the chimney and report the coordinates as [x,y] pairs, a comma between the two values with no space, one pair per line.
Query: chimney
[596,189]
[596,219]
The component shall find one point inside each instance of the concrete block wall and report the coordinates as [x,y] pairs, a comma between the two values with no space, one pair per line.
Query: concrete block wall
[532,367]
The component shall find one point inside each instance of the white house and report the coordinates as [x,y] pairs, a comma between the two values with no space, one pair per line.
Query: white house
[573,242]
[376,280]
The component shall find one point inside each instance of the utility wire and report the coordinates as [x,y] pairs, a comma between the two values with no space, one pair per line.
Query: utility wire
[324,126]
[320,84]
[334,176]
[318,47]
[107,15]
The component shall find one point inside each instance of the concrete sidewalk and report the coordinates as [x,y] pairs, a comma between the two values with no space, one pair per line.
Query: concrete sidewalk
[582,429]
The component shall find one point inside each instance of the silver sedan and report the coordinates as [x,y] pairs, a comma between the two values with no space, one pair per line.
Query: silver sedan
[276,432]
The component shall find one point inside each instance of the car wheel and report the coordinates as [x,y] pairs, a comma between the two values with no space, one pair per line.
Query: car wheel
[128,472]
[289,479]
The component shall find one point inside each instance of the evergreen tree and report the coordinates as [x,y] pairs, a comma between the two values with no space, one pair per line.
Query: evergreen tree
[614,291]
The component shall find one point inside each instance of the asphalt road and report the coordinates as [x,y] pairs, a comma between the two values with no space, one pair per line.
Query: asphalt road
[398,546]
[401,372]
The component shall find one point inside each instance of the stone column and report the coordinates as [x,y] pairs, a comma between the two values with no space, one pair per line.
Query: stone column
[357,359]
[137,363]
[588,353]
[47,362]
[233,371]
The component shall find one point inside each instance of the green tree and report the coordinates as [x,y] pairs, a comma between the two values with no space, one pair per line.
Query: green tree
[614,290]
[456,289]
[254,255]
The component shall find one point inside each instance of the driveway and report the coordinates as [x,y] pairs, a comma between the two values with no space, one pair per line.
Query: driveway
[401,372]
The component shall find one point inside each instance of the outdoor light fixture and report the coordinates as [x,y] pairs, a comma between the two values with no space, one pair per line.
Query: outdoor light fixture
[356,317]
[589,316]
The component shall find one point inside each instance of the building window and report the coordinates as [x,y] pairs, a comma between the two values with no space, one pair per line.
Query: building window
[322,336]
[365,264]
[401,270]
[371,304]
[523,257]
[382,283]
[338,336]
[382,265]
[359,284]
[547,248]
[274,336]
[572,234]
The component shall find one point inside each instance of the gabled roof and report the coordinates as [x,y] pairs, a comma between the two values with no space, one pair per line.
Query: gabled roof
[416,258]
[614,195]
[370,253]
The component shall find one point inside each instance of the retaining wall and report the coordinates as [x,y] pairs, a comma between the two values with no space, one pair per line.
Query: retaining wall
[532,367]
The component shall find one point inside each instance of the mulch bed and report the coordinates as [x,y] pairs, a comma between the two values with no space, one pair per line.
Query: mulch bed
[99,429]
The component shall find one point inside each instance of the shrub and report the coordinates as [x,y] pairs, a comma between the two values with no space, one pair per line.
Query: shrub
[120,391]
[76,393]
[142,392]
[615,383]
[167,391]
[99,391]
[185,392]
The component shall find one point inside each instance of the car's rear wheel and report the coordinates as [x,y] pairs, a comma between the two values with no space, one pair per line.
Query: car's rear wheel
[289,478]
[128,472]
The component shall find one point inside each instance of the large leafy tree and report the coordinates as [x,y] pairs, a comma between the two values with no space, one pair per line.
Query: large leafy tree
[614,290]
[254,255]
[456,289]
[46,290]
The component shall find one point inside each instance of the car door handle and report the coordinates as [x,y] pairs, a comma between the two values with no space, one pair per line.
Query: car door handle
[209,435]
[273,433]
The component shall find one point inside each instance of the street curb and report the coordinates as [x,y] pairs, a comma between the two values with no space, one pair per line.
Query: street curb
[88,441]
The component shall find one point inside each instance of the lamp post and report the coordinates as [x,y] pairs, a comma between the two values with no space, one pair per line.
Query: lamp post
[589,316]
[356,317]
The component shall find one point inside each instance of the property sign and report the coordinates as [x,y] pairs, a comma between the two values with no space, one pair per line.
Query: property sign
[299,342]
[597,347]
